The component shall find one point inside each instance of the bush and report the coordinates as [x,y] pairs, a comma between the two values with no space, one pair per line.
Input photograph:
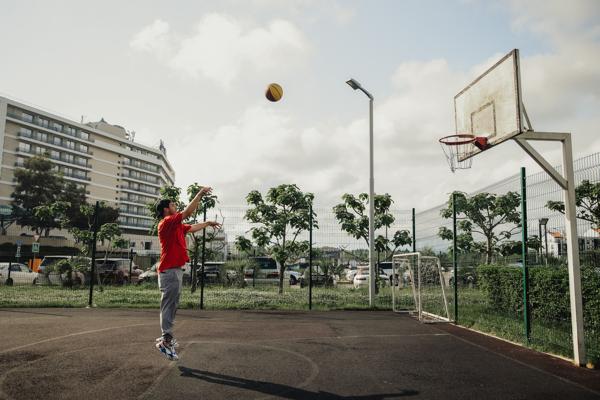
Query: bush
[548,292]
[232,272]
[503,287]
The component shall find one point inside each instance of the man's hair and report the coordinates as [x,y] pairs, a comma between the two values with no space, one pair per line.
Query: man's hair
[160,207]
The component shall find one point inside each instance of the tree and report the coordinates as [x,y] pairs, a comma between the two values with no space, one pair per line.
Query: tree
[351,215]
[110,235]
[484,214]
[206,236]
[82,227]
[587,199]
[172,193]
[37,186]
[281,216]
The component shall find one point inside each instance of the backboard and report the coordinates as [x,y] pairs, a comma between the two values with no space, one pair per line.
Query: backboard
[491,105]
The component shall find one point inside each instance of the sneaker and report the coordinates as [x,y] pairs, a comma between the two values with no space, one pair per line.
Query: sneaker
[174,341]
[167,349]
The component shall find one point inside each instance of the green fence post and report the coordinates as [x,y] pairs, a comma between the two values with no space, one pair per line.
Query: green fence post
[414,232]
[526,316]
[455,257]
[93,266]
[203,260]
[310,260]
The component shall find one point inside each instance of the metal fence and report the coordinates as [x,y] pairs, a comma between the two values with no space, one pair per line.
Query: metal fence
[486,298]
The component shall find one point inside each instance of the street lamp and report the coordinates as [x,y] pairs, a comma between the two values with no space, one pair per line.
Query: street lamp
[544,222]
[372,276]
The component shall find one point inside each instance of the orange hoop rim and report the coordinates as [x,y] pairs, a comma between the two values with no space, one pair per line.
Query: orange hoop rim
[451,140]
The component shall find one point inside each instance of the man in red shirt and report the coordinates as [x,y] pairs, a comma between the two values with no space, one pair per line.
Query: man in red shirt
[173,256]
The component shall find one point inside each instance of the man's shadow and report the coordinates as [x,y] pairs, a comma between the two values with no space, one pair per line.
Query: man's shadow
[276,389]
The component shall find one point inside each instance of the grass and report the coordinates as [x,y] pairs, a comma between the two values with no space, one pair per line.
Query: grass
[548,336]
[215,297]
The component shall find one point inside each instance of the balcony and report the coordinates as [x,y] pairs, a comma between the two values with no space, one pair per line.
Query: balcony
[152,180]
[152,191]
[44,138]
[142,213]
[50,125]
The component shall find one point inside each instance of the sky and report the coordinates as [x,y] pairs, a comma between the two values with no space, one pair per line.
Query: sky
[193,73]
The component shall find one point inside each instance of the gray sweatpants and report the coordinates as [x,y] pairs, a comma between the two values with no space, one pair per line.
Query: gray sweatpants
[169,283]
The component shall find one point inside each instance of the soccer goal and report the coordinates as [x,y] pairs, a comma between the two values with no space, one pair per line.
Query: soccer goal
[419,288]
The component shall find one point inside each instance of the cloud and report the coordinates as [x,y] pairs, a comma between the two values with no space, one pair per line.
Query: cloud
[220,47]
[152,38]
[266,146]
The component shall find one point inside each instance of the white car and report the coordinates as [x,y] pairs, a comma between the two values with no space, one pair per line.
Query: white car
[351,272]
[19,274]
[362,277]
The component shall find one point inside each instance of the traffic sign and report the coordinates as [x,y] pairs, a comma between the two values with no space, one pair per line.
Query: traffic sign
[35,247]
[18,250]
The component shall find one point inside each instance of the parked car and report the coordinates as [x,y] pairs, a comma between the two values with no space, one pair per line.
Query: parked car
[212,271]
[293,272]
[362,277]
[151,275]
[19,274]
[116,271]
[59,277]
[351,272]
[265,272]
[319,278]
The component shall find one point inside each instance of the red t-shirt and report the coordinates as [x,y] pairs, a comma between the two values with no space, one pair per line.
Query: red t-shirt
[173,250]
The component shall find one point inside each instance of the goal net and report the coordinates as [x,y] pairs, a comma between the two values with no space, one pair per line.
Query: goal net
[419,287]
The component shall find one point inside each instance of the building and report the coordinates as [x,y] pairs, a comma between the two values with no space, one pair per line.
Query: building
[102,158]
[557,243]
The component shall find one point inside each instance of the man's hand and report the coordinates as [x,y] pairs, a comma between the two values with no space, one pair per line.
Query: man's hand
[203,225]
[204,191]
[191,208]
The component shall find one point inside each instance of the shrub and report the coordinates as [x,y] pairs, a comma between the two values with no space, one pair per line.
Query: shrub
[548,292]
[233,272]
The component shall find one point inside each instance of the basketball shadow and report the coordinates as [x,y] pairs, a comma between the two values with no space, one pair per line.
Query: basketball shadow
[276,389]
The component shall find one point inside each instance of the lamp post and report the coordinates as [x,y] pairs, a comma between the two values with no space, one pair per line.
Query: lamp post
[544,222]
[357,86]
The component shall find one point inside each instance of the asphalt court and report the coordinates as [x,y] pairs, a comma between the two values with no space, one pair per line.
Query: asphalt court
[109,354]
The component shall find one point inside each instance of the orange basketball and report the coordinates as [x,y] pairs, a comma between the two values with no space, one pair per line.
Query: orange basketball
[274,92]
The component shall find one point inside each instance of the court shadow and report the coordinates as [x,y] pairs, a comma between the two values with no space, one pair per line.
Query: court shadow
[276,389]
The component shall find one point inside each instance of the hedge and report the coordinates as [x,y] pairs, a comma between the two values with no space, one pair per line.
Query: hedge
[548,292]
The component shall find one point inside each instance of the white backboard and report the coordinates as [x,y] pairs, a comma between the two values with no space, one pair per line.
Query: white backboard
[491,105]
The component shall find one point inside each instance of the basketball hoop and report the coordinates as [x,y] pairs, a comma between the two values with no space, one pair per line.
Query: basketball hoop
[458,147]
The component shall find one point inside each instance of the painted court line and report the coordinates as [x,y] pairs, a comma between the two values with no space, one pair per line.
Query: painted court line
[71,335]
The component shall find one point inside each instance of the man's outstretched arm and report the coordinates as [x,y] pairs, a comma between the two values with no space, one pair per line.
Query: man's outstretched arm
[203,225]
[191,208]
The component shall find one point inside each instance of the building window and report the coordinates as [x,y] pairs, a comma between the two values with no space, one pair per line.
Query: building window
[147,245]
[27,117]
[20,162]
[83,148]
[40,151]
[26,147]
[57,141]
[25,132]
[43,122]
[70,144]
[81,161]
[57,127]
[68,158]
[41,136]
[54,155]
[84,135]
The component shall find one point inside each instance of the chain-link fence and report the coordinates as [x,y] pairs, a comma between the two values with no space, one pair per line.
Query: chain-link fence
[490,293]
[219,274]
[489,285]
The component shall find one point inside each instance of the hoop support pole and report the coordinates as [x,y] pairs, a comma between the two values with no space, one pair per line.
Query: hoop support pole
[567,183]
